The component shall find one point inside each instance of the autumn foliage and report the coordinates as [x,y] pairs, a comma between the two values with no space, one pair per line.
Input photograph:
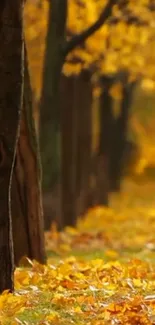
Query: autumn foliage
[102,271]
[109,279]
[123,43]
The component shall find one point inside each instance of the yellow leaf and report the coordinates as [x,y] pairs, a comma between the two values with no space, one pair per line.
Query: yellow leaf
[116,91]
[137,283]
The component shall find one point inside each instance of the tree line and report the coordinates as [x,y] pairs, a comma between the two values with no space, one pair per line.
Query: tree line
[63,102]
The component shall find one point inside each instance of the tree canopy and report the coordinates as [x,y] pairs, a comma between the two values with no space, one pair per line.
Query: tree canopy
[122,43]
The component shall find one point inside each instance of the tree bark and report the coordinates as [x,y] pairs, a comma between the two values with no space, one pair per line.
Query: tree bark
[49,112]
[11,96]
[76,142]
[28,228]
[105,143]
[120,139]
[83,101]
[68,152]
[57,48]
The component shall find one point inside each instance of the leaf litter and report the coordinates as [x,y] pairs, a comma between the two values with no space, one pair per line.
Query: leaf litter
[114,285]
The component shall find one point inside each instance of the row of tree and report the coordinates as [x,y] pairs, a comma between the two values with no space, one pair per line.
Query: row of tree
[21,215]
[69,122]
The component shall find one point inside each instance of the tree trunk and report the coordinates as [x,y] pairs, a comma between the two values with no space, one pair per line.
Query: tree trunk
[68,152]
[28,229]
[105,142]
[11,96]
[120,139]
[83,101]
[49,113]
[76,142]
[57,48]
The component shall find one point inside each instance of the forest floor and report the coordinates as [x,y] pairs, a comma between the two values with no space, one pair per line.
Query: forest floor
[102,272]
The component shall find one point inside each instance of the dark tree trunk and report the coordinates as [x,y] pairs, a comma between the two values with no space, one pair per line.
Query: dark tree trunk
[49,112]
[120,139]
[83,101]
[68,151]
[28,229]
[76,137]
[11,96]
[57,48]
[105,142]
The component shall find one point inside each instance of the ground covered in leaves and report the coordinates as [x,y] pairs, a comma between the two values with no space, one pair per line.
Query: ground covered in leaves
[103,272]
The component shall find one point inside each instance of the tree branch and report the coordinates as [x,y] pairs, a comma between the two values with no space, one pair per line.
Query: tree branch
[80,38]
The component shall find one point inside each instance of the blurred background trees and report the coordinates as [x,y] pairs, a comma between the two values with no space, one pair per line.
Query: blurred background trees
[93,100]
